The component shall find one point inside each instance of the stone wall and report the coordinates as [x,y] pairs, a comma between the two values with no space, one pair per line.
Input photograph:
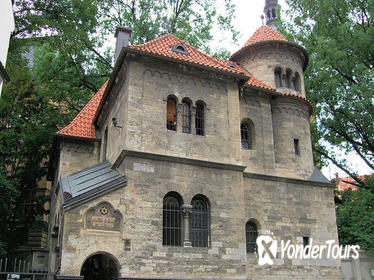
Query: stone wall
[289,209]
[141,111]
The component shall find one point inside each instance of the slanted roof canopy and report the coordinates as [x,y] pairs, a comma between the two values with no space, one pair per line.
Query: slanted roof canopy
[90,182]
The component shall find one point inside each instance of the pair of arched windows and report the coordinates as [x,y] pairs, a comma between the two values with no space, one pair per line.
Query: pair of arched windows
[286,80]
[247,134]
[172,112]
[198,217]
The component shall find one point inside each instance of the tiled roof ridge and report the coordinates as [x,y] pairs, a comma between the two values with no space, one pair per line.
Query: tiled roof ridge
[203,56]
[82,125]
[152,41]
[264,33]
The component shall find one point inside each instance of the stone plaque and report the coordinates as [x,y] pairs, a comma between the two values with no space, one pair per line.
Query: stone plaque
[103,217]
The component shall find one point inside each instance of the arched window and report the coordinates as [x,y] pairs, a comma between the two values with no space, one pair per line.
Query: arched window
[247,134]
[296,82]
[172,220]
[199,221]
[171,118]
[278,77]
[273,13]
[186,116]
[199,118]
[251,236]
[288,78]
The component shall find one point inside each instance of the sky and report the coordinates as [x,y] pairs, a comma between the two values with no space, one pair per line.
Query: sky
[248,19]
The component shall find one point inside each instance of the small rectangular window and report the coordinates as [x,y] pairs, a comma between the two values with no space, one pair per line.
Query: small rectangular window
[296,146]
[306,242]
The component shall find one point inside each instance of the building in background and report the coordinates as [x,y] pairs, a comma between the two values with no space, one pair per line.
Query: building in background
[346,183]
[6,28]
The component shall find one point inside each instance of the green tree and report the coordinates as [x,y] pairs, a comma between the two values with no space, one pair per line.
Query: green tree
[338,35]
[28,120]
[355,218]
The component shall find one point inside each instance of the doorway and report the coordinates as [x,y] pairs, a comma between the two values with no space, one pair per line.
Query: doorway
[100,266]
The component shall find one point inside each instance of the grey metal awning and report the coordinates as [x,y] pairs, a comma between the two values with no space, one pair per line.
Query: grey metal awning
[90,182]
[317,176]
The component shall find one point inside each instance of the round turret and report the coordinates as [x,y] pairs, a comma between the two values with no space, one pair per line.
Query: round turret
[268,56]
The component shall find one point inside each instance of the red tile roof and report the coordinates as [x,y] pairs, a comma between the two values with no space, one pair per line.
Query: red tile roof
[346,183]
[264,33]
[163,45]
[82,125]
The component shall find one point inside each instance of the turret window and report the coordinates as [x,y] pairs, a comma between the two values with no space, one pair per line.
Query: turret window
[296,82]
[288,78]
[278,77]
[296,146]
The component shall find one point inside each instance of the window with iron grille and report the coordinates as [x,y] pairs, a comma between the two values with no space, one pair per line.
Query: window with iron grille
[172,220]
[200,222]
[199,119]
[186,116]
[171,119]
[251,236]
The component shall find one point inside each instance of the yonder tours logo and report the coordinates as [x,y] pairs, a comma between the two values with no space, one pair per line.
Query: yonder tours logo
[267,248]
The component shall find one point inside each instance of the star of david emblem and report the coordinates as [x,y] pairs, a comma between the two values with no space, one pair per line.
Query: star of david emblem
[104,210]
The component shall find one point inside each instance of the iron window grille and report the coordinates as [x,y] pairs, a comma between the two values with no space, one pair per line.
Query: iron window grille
[199,119]
[172,221]
[186,117]
[251,236]
[171,120]
[199,223]
[246,137]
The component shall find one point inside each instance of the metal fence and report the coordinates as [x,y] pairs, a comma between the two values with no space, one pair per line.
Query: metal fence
[18,269]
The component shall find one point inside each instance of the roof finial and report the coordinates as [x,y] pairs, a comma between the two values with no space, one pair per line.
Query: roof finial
[270,14]
[262,20]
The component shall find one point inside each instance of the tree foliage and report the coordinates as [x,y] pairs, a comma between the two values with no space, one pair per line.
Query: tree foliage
[355,218]
[338,35]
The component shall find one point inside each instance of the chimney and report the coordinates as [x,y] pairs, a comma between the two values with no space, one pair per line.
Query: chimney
[123,36]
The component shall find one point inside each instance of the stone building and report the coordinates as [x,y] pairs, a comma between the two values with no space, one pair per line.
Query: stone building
[181,160]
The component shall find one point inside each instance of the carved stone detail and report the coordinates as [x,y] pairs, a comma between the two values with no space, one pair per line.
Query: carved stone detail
[182,79]
[103,217]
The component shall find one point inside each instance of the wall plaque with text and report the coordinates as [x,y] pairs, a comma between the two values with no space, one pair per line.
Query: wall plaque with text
[103,217]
